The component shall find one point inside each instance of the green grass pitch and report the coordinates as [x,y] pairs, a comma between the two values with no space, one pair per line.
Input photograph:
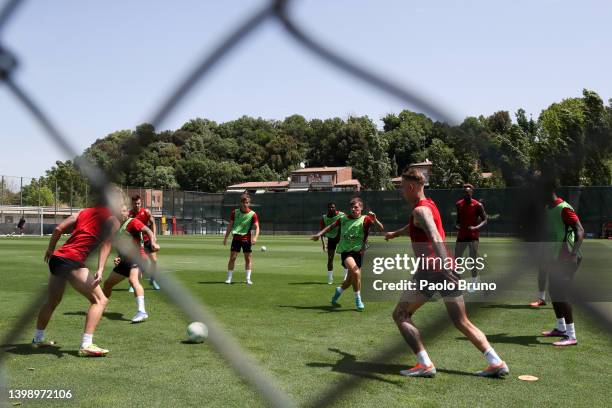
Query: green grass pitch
[285,322]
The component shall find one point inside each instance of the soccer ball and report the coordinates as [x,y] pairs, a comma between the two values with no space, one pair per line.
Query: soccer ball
[197,332]
[264,249]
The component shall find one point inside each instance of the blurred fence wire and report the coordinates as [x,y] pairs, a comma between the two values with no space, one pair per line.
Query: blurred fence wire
[239,359]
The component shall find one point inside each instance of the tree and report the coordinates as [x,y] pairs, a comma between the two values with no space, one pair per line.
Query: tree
[369,160]
[406,135]
[598,140]
[200,173]
[445,170]
[164,178]
[71,185]
[37,194]
[560,149]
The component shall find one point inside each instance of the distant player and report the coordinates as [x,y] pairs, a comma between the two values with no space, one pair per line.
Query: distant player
[427,236]
[21,225]
[242,220]
[333,237]
[127,267]
[354,230]
[91,228]
[144,215]
[471,217]
[561,259]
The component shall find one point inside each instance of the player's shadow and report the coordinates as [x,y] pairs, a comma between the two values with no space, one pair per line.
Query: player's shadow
[26,349]
[527,341]
[348,364]
[513,307]
[308,283]
[108,315]
[322,308]
[214,283]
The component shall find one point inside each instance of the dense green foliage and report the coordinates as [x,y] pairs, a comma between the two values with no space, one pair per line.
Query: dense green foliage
[571,139]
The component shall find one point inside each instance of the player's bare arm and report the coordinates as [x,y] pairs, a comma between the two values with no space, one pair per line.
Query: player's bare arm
[394,234]
[377,222]
[57,234]
[483,218]
[423,218]
[105,250]
[254,240]
[319,234]
[228,230]
[458,222]
[151,222]
[152,237]
[579,238]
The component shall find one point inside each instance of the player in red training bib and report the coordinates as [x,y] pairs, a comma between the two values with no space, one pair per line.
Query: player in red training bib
[242,219]
[471,217]
[427,236]
[92,228]
[144,215]
[129,267]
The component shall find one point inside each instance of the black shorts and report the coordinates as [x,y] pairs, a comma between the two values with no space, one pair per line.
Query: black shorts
[332,243]
[59,266]
[238,244]
[124,268]
[560,276]
[147,247]
[449,280]
[356,255]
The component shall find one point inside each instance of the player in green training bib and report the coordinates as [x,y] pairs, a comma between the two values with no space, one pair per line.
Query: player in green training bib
[241,221]
[563,236]
[354,230]
[333,237]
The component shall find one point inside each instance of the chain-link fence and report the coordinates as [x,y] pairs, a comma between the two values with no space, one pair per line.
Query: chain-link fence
[221,341]
[300,212]
[190,212]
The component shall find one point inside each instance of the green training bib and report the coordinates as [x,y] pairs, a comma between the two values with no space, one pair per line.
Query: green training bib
[352,234]
[332,233]
[242,222]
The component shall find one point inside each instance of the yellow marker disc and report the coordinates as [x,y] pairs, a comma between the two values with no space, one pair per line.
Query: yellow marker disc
[528,378]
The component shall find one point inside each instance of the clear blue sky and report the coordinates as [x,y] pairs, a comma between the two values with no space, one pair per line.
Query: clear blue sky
[102,66]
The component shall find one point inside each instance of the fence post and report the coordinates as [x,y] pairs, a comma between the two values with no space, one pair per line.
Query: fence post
[56,198]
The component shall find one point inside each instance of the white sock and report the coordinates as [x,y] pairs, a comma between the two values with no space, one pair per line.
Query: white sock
[561,324]
[570,331]
[358,294]
[339,289]
[492,356]
[140,303]
[229,275]
[423,358]
[330,275]
[345,273]
[86,340]
[248,274]
[39,335]
[542,295]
